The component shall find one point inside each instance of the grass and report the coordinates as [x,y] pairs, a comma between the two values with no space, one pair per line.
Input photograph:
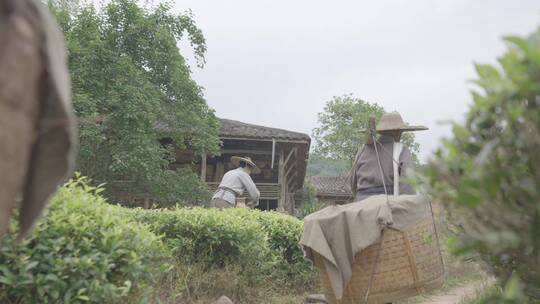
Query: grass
[193,284]
[483,296]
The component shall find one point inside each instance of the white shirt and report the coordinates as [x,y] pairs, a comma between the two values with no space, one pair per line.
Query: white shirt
[237,180]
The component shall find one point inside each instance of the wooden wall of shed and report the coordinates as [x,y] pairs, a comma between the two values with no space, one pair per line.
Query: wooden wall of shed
[288,170]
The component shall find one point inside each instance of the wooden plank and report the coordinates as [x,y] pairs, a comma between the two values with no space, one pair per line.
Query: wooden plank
[292,182]
[241,152]
[281,181]
[267,140]
[273,152]
[288,172]
[293,151]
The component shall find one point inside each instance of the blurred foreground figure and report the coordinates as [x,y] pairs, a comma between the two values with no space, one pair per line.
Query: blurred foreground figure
[37,125]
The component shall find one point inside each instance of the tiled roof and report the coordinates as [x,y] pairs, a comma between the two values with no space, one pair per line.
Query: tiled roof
[331,185]
[233,128]
[237,129]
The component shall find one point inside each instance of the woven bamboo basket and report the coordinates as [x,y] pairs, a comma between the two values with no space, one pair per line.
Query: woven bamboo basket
[409,263]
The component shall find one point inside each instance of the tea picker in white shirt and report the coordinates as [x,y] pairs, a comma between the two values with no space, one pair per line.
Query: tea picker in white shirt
[235,182]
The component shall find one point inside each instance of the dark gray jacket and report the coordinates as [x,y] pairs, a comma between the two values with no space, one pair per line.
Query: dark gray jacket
[365,177]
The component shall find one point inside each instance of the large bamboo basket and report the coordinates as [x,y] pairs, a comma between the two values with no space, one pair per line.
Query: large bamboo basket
[409,264]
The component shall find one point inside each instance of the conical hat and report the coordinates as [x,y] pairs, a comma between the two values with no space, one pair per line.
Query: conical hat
[235,160]
[393,121]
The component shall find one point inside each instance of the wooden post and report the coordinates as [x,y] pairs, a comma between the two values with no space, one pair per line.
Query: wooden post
[273,152]
[203,167]
[146,203]
[220,171]
[281,181]
[293,202]
[284,193]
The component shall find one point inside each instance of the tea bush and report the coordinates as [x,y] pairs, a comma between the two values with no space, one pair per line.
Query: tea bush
[211,237]
[84,250]
[488,175]
[264,244]
[283,232]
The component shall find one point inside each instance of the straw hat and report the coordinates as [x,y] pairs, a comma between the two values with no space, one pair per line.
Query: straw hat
[393,121]
[235,160]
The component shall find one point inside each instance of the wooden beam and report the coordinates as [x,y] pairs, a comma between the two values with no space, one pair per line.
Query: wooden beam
[203,167]
[245,151]
[280,168]
[219,172]
[285,190]
[292,181]
[267,140]
[293,150]
[293,176]
[293,202]
[290,169]
[273,152]
[281,181]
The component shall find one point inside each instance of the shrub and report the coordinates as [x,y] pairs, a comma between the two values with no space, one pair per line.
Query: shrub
[84,250]
[310,203]
[212,237]
[263,244]
[488,172]
[283,232]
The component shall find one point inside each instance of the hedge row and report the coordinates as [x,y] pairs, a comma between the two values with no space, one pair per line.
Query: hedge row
[84,250]
[88,251]
[264,244]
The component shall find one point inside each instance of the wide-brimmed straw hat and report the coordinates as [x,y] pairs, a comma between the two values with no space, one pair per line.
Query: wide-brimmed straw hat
[235,160]
[393,121]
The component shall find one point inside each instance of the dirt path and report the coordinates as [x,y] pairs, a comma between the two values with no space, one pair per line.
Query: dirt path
[456,295]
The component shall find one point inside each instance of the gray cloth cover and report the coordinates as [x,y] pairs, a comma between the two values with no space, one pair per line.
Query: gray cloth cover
[338,233]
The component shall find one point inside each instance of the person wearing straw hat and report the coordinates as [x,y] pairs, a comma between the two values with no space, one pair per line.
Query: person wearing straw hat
[235,182]
[365,175]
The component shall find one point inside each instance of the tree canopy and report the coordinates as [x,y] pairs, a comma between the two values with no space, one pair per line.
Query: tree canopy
[339,134]
[128,74]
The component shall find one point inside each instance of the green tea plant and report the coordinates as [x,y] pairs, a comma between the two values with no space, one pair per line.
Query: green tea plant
[263,244]
[283,233]
[211,237]
[84,251]
[488,172]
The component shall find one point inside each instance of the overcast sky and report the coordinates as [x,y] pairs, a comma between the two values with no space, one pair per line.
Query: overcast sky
[276,63]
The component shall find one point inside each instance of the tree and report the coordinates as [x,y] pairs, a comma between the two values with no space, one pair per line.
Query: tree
[321,166]
[339,134]
[488,173]
[128,76]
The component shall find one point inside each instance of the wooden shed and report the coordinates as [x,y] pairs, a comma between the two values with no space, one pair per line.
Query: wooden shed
[281,154]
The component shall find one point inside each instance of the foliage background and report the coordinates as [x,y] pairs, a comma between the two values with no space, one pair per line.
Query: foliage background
[487,173]
[128,76]
[339,135]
